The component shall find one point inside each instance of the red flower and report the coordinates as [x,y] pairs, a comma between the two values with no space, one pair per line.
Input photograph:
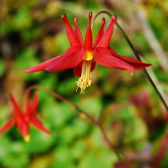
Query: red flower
[82,56]
[30,113]
[22,120]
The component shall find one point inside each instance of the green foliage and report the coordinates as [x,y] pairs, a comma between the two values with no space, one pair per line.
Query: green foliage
[3,68]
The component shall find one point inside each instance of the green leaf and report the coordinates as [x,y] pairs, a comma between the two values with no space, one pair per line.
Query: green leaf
[2,68]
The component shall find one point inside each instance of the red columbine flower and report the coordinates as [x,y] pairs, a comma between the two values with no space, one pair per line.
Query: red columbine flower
[23,120]
[82,56]
[18,120]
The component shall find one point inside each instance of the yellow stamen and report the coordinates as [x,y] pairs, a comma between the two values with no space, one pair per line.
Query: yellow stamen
[27,138]
[88,56]
[85,79]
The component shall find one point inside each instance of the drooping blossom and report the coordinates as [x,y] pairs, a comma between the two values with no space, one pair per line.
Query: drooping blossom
[22,120]
[82,56]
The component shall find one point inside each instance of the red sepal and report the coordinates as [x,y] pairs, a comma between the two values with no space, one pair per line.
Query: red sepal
[42,66]
[7,125]
[88,37]
[34,104]
[71,58]
[103,57]
[37,123]
[135,63]
[20,121]
[77,31]
[105,40]
[100,33]
[73,39]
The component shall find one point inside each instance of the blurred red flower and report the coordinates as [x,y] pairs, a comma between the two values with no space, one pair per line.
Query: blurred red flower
[22,120]
[82,56]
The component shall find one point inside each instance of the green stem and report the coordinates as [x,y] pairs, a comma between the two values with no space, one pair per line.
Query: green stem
[136,55]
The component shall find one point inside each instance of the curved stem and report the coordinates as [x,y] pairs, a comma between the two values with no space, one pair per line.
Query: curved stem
[58,96]
[136,55]
[76,108]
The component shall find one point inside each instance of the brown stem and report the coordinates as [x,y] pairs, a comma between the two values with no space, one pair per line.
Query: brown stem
[108,142]
[75,107]
[58,96]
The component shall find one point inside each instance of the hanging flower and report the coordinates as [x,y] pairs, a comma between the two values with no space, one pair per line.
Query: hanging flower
[22,120]
[82,56]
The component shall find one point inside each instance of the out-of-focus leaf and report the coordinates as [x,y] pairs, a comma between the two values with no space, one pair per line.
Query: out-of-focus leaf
[5,28]
[67,86]
[62,43]
[136,131]
[92,105]
[2,67]
[13,154]
[26,59]
[80,127]
[39,142]
[63,158]
[95,158]
[57,113]
[22,20]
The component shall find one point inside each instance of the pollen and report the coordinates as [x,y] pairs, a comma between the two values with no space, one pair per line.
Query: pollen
[88,56]
[85,79]
[27,138]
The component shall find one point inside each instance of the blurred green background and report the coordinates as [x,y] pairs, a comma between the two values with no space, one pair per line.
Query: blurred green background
[127,106]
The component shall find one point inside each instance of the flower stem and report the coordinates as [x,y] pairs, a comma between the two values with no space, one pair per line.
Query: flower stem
[136,55]
[92,119]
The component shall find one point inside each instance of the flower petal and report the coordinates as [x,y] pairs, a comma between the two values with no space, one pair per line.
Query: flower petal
[78,69]
[105,40]
[17,110]
[20,120]
[37,123]
[7,125]
[77,31]
[23,126]
[42,66]
[93,66]
[34,104]
[100,33]
[103,57]
[27,106]
[71,58]
[88,37]
[73,39]
[135,63]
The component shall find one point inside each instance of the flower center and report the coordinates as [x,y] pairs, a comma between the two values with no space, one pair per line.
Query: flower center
[88,56]
[85,79]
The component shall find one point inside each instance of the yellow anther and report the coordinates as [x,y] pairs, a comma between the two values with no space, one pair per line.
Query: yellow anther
[85,79]
[88,56]
[27,138]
